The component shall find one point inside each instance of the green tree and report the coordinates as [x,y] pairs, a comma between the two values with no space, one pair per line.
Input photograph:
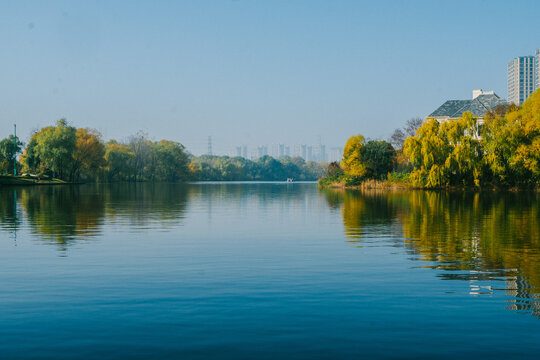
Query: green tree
[9,148]
[378,158]
[118,160]
[171,161]
[51,150]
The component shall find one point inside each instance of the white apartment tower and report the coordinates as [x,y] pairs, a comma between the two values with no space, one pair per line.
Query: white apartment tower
[537,70]
[523,77]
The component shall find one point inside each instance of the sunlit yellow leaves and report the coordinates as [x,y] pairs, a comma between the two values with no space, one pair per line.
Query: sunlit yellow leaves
[512,144]
[89,151]
[445,153]
[352,157]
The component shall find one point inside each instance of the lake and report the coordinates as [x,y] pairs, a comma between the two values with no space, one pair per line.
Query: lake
[267,271]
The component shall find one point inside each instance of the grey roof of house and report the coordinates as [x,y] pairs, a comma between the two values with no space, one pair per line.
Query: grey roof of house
[478,106]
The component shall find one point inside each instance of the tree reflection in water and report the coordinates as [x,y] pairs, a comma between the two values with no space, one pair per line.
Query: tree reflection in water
[62,215]
[491,239]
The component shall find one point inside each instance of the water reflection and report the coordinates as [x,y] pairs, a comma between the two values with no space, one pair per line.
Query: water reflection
[490,239]
[62,215]
[142,205]
[59,214]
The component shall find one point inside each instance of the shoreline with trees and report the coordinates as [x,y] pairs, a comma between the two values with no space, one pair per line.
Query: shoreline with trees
[63,154]
[501,153]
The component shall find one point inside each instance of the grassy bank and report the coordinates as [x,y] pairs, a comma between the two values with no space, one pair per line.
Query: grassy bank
[24,180]
[400,181]
[395,180]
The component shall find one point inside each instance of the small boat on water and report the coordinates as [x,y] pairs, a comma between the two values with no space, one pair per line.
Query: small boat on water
[290,180]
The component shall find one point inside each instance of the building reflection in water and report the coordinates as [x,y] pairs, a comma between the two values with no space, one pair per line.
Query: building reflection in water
[489,239]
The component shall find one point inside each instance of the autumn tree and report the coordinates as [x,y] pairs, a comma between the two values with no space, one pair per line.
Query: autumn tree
[445,153]
[352,163]
[373,159]
[89,154]
[512,143]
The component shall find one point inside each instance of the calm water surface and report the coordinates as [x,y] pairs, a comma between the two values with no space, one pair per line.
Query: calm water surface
[271,271]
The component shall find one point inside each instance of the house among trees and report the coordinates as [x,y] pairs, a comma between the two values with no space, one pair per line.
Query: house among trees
[481,102]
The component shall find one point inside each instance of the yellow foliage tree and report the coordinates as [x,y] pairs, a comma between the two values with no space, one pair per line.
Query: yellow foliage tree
[512,143]
[352,157]
[89,153]
[445,153]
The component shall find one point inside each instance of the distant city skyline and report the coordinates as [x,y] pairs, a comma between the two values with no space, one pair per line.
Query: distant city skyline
[250,73]
[309,152]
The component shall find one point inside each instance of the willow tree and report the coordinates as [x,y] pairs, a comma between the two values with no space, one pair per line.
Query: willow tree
[446,153]
[118,160]
[512,143]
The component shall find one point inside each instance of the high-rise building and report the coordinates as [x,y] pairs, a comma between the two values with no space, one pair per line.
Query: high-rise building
[521,78]
[275,151]
[241,151]
[336,154]
[322,153]
[262,151]
[281,150]
[297,150]
[537,70]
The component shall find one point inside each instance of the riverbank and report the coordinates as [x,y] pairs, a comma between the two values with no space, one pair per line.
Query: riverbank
[371,184]
[28,181]
[367,185]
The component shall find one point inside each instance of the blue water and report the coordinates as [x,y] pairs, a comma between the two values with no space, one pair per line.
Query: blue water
[268,270]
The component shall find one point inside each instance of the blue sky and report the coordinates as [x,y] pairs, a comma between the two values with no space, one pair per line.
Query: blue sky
[251,72]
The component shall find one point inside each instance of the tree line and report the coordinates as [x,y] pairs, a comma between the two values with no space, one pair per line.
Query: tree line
[79,154]
[225,168]
[504,151]
[75,154]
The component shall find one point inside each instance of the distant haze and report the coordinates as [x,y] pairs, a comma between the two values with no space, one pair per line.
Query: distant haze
[251,72]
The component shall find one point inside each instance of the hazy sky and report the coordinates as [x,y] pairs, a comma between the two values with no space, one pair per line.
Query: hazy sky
[251,72]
